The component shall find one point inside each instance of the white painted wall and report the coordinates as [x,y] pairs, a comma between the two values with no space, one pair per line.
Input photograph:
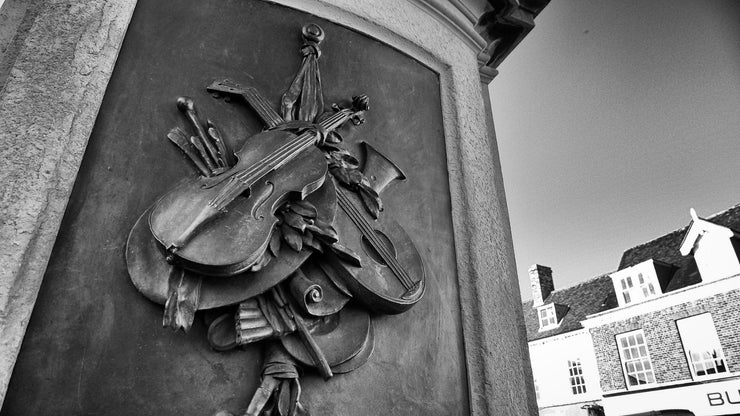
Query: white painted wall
[550,368]
[715,257]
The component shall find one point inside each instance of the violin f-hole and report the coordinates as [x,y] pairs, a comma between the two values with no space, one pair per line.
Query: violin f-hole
[260,199]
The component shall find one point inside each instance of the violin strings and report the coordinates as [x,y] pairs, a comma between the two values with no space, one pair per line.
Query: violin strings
[367,230]
[282,155]
[369,233]
[258,103]
[301,141]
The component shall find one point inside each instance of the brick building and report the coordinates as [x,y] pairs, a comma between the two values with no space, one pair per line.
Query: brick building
[673,341]
[663,328]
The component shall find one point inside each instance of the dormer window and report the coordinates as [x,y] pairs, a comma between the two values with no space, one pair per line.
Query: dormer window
[713,247]
[547,316]
[551,315]
[636,283]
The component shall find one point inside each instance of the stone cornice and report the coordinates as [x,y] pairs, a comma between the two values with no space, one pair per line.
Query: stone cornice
[493,34]
[503,28]
[453,16]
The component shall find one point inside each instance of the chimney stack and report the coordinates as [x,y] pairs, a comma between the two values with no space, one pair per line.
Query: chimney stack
[541,279]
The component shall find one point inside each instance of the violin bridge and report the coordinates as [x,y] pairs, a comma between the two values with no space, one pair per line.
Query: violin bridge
[412,290]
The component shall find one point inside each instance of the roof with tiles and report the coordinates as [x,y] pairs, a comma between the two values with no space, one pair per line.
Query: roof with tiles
[666,249]
[597,295]
[583,299]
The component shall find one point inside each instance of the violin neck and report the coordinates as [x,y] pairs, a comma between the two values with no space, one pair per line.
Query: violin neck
[335,121]
[269,116]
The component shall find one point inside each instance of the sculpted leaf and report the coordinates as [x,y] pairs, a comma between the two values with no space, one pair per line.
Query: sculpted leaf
[342,175]
[292,237]
[346,254]
[294,220]
[323,231]
[310,241]
[275,242]
[334,138]
[350,161]
[355,177]
[329,147]
[371,199]
[304,209]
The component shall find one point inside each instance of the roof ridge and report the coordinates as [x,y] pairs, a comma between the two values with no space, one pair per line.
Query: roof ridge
[682,229]
[592,279]
[597,277]
[726,210]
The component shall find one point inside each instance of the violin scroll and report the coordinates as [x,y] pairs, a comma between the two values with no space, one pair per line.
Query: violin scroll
[356,113]
[360,103]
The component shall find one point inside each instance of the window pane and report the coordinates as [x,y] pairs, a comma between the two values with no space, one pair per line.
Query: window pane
[652,289]
[701,345]
[624,285]
[639,277]
[635,359]
[629,281]
[577,382]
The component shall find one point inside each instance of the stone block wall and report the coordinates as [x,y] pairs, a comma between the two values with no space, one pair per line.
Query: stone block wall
[663,341]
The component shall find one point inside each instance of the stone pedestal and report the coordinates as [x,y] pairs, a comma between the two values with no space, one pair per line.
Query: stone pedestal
[425,65]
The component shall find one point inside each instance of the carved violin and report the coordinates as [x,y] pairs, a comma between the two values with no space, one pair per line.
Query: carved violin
[392,277]
[221,225]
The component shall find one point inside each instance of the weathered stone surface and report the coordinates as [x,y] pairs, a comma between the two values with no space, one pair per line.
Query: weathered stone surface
[47,109]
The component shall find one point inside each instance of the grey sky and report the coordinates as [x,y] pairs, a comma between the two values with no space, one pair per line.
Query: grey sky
[613,119]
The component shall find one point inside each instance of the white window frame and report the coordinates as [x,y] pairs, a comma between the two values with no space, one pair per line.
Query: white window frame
[636,283]
[627,286]
[714,361]
[646,285]
[552,317]
[576,378]
[640,361]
